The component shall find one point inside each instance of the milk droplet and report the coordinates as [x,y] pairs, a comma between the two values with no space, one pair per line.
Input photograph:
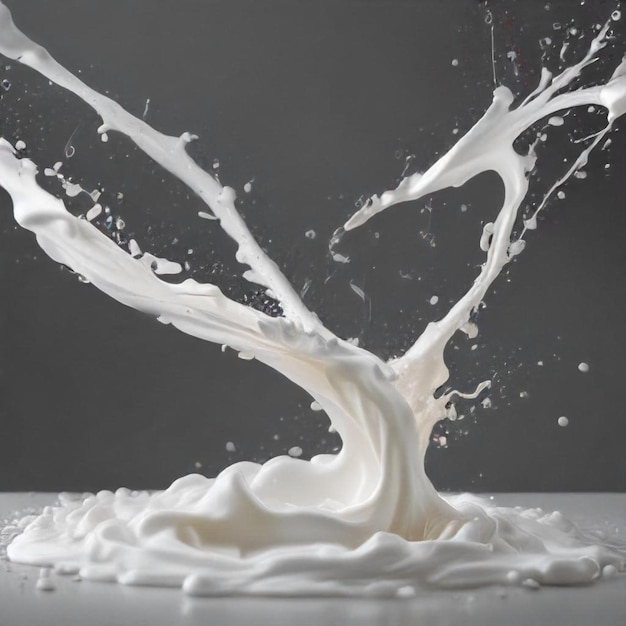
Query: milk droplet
[93,212]
[310,234]
[531,583]
[513,577]
[583,367]
[358,291]
[296,451]
[609,571]
[433,300]
[563,421]
[407,591]
[133,248]
[230,446]
[531,223]
[455,62]
[45,582]
[516,247]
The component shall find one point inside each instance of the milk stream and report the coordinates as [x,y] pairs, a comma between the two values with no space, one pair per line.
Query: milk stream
[366,520]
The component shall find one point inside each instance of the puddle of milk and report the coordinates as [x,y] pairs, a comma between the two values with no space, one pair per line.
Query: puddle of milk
[366,520]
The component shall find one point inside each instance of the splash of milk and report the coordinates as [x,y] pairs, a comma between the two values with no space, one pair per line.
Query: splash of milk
[366,520]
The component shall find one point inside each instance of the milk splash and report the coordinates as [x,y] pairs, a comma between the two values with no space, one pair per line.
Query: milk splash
[366,520]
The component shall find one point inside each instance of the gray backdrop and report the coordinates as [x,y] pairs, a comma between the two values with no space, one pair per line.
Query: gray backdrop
[319,103]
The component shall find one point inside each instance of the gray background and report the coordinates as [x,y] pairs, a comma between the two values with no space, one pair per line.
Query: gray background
[319,103]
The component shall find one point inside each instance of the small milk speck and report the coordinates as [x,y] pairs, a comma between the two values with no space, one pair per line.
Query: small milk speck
[563,421]
[609,571]
[406,592]
[531,583]
[583,367]
[512,577]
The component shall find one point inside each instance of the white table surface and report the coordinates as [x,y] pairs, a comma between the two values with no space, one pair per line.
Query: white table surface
[101,604]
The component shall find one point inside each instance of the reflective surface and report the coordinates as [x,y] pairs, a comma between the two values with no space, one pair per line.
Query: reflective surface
[104,604]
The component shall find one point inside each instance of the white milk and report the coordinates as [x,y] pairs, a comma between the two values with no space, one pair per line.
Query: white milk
[366,520]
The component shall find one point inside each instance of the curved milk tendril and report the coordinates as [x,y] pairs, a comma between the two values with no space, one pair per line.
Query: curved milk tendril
[366,520]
